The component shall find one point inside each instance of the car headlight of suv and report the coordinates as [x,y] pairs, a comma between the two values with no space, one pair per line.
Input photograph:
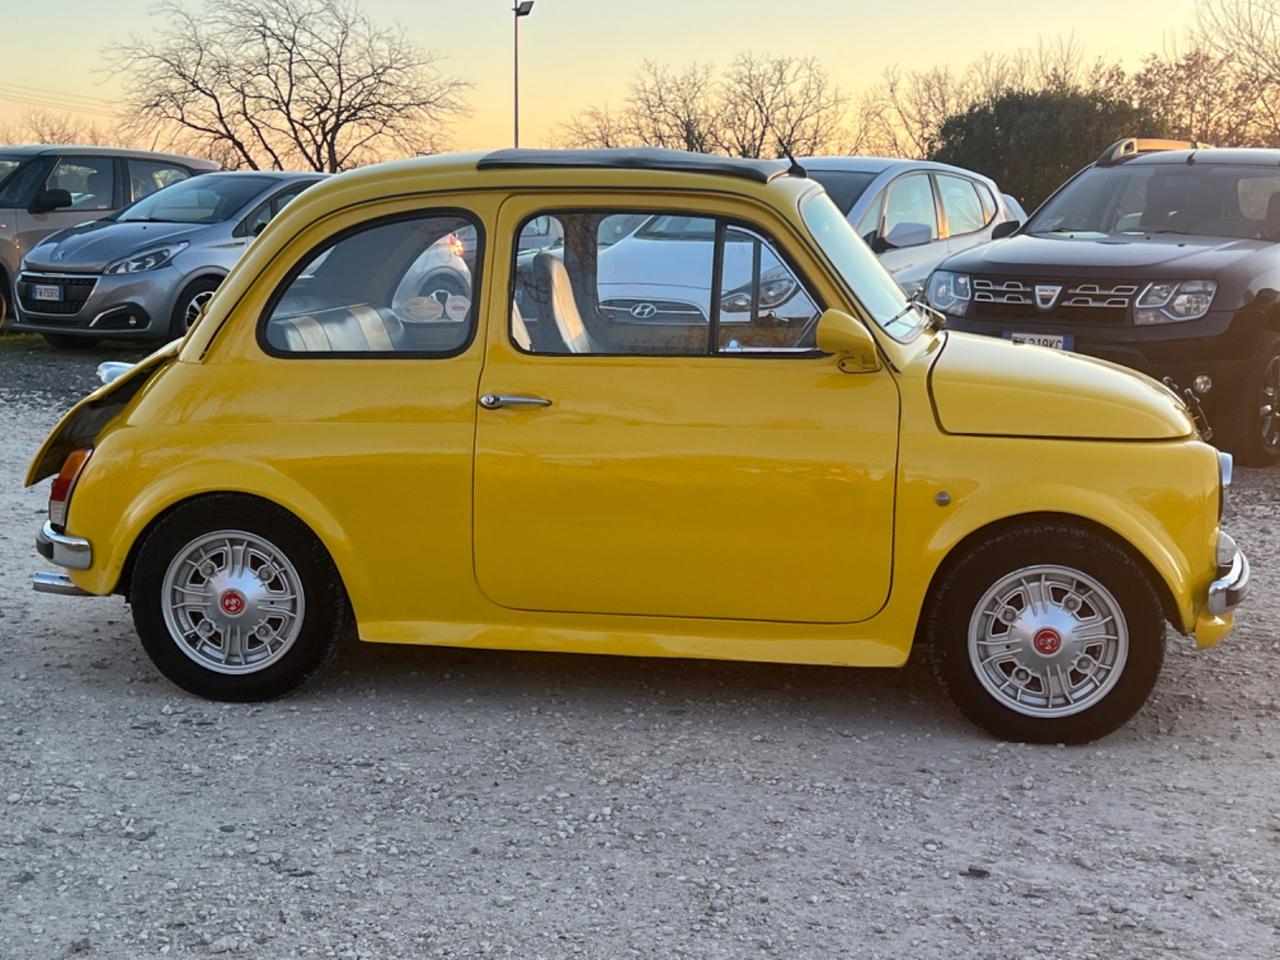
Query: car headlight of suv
[776,287]
[147,260]
[949,292]
[1172,301]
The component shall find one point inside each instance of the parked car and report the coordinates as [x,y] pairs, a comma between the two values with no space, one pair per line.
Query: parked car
[44,189]
[1163,256]
[863,479]
[915,213]
[146,272]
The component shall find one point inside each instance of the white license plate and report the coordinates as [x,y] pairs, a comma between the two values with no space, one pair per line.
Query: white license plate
[1054,341]
[41,291]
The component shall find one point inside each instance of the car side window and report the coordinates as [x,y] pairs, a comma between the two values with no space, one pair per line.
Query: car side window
[653,290]
[868,227]
[148,176]
[988,201]
[91,181]
[399,285]
[910,201]
[961,204]
[265,213]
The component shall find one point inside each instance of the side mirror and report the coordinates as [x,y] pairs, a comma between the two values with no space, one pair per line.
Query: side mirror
[47,200]
[909,235]
[1006,228]
[850,342]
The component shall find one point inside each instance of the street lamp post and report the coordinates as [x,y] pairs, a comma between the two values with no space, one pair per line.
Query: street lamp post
[521,9]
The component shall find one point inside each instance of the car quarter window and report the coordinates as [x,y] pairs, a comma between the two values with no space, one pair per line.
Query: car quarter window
[148,176]
[397,286]
[961,204]
[869,226]
[910,201]
[656,284]
[90,181]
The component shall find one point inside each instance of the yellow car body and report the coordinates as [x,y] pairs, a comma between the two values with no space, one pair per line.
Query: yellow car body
[714,507]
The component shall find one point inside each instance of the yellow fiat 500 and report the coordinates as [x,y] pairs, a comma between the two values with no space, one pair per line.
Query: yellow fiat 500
[632,402]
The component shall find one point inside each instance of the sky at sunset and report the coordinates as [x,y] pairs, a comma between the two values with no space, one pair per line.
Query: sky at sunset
[578,52]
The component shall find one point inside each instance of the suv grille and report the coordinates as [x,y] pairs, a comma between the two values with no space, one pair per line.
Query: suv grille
[1080,301]
[74,292]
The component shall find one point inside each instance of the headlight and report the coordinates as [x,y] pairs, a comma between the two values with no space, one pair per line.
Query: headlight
[147,260]
[1170,301]
[776,288]
[949,292]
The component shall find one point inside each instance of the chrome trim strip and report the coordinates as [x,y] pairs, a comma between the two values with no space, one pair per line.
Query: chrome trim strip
[1229,591]
[73,553]
[57,583]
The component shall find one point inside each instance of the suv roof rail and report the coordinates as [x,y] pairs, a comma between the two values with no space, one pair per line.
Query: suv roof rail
[1132,146]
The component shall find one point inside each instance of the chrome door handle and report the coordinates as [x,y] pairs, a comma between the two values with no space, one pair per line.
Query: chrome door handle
[496,401]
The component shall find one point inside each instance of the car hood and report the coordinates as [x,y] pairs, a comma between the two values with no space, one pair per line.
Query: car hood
[1174,256]
[89,247]
[983,386]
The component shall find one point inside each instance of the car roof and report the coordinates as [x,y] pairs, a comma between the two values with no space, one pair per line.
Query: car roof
[879,165]
[1210,155]
[635,158]
[281,175]
[67,149]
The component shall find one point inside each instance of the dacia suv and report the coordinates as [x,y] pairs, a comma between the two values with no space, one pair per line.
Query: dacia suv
[44,189]
[1162,256]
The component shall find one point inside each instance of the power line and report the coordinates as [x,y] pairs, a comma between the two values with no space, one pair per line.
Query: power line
[5,96]
[57,94]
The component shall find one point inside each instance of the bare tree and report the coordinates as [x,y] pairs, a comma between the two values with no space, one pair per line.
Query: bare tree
[276,83]
[1239,42]
[1201,95]
[40,126]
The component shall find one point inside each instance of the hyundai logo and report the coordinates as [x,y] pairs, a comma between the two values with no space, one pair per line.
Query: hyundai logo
[1047,295]
[643,311]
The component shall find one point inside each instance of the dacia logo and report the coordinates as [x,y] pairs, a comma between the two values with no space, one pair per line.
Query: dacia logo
[1047,295]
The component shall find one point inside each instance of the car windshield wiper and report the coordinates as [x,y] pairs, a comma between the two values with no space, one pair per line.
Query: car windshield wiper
[1070,230]
[146,220]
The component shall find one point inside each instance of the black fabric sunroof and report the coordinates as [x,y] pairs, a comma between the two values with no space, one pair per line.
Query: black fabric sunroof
[635,158]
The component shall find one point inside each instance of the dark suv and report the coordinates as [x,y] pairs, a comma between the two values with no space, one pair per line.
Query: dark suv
[1162,256]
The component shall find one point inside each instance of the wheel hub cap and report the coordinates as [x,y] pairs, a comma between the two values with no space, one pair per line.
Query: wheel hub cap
[233,602]
[1048,640]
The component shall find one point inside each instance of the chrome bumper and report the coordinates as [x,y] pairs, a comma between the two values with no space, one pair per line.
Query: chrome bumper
[73,553]
[1229,590]
[58,583]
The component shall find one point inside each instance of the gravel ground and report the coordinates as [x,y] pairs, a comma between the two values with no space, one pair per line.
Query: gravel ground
[439,803]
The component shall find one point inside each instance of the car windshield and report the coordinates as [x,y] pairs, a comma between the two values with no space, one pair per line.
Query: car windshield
[1200,199]
[875,289]
[211,198]
[844,187]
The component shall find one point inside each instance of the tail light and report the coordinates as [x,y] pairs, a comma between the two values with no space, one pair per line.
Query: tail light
[64,483]
[456,246]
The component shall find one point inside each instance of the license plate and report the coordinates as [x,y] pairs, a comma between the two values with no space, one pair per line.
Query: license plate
[1054,341]
[43,291]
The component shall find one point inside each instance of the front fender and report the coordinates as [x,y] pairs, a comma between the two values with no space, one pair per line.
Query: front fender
[117,499]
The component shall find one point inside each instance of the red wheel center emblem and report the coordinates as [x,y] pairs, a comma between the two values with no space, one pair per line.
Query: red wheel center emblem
[1047,641]
[232,602]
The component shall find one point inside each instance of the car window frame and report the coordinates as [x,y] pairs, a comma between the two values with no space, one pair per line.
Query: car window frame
[118,171]
[159,163]
[936,175]
[722,222]
[242,228]
[301,263]
[938,216]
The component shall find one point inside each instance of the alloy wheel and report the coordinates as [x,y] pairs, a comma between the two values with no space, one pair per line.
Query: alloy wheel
[192,313]
[1048,641]
[1269,405]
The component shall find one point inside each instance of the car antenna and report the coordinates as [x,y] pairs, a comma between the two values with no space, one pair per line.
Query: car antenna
[795,170]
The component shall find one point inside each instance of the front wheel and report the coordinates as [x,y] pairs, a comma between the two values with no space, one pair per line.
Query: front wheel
[1251,429]
[235,599]
[186,310]
[1048,633]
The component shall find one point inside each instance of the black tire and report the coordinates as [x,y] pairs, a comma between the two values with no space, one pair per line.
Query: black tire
[1243,429]
[963,584]
[178,320]
[64,341]
[326,612]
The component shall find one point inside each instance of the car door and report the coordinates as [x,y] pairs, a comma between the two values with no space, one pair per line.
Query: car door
[664,463]
[910,203]
[94,185]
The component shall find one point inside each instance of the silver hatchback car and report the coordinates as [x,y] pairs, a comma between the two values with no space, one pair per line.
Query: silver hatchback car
[146,272]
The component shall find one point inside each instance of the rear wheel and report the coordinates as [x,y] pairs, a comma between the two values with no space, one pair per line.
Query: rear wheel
[1046,634]
[235,599]
[1251,426]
